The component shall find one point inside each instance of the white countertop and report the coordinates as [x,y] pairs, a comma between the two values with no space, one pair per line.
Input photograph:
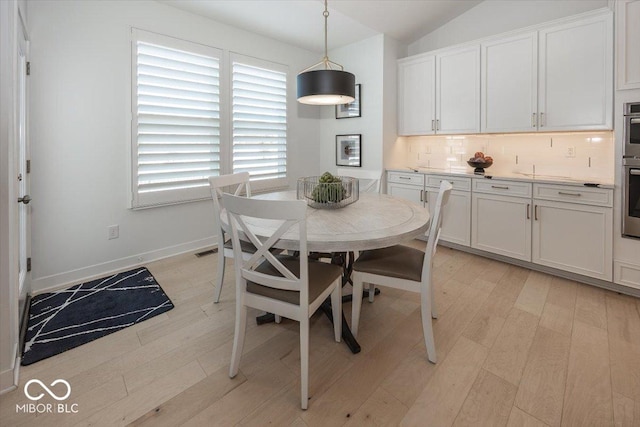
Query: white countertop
[514,176]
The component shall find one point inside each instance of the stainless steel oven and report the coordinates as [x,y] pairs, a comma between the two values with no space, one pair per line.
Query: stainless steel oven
[632,132]
[631,170]
[631,208]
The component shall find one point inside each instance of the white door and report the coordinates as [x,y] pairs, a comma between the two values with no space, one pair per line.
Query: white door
[22,176]
[416,96]
[458,91]
[510,84]
[502,225]
[576,75]
[573,237]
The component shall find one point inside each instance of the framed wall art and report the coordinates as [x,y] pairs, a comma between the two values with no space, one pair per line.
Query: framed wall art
[346,111]
[348,150]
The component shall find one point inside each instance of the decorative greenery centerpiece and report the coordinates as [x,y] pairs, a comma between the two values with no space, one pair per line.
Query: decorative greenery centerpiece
[328,191]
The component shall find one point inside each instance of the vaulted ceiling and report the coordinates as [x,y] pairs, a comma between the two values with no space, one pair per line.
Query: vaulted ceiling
[301,23]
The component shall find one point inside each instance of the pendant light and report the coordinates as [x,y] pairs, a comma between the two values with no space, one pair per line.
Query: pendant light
[328,86]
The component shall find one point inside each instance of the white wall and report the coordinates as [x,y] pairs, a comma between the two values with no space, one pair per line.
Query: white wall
[497,16]
[364,59]
[394,150]
[80,103]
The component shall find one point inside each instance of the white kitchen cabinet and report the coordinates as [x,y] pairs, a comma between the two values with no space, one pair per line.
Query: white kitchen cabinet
[628,43]
[440,93]
[575,90]
[555,79]
[501,220]
[406,185]
[510,84]
[575,234]
[456,217]
[406,191]
[458,91]
[416,96]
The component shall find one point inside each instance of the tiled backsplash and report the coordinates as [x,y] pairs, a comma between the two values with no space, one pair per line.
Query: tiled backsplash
[592,156]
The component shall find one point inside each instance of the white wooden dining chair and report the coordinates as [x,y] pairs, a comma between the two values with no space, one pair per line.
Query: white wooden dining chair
[237,183]
[289,286]
[369,180]
[404,268]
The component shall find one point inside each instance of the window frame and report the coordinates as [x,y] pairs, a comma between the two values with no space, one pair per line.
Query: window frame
[225,59]
[169,197]
[267,184]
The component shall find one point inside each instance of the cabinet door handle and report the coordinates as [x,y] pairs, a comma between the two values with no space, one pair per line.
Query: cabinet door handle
[437,124]
[500,187]
[528,214]
[422,195]
[563,193]
[533,120]
[535,212]
[541,119]
[433,125]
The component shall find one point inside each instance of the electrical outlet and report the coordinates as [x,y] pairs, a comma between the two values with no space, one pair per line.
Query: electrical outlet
[427,149]
[571,152]
[114,231]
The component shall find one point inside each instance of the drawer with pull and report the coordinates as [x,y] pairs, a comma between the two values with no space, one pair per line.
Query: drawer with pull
[463,184]
[574,194]
[406,178]
[506,188]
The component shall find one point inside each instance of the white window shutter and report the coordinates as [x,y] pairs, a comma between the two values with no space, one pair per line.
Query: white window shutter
[259,121]
[176,119]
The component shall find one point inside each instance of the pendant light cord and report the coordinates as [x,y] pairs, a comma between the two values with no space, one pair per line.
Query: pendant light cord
[326,54]
[325,60]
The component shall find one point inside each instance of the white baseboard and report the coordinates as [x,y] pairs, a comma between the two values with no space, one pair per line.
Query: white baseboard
[626,274]
[61,280]
[9,377]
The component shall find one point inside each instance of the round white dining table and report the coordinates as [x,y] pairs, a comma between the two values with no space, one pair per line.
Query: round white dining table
[374,221]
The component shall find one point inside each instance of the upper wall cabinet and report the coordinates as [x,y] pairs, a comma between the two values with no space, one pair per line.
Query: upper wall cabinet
[458,91]
[510,84]
[440,93]
[575,88]
[556,77]
[628,43]
[416,95]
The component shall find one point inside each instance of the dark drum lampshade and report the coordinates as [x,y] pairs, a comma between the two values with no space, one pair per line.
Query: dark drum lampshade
[326,87]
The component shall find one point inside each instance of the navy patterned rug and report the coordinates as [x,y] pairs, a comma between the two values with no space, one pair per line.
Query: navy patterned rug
[62,320]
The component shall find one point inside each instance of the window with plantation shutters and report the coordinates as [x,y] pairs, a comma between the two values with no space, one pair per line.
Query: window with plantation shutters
[175,119]
[259,121]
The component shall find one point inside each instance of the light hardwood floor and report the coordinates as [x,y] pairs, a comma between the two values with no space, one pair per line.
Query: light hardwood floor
[515,348]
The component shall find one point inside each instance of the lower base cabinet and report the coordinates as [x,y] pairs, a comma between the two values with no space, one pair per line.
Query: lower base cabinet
[569,228]
[502,225]
[456,216]
[409,192]
[573,237]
